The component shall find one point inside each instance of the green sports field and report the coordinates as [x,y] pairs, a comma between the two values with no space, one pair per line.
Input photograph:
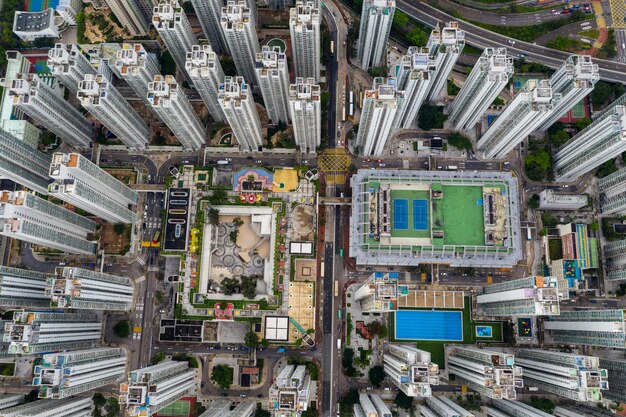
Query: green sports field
[460,214]
[178,408]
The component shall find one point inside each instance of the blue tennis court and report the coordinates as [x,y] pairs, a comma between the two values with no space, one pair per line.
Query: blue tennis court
[429,325]
[401,214]
[420,214]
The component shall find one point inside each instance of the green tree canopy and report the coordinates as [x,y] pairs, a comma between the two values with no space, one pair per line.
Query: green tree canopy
[543,404]
[460,141]
[223,376]
[431,117]
[559,138]
[122,329]
[376,375]
[417,37]
[404,401]
[252,340]
[214,216]
[400,19]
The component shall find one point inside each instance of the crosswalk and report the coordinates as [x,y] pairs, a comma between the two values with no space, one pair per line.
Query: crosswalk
[141,260]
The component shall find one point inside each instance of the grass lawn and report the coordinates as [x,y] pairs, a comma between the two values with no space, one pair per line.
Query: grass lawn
[436,348]
[591,33]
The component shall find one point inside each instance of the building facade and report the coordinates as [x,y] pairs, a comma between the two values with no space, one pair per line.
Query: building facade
[379,293]
[304,27]
[239,29]
[380,106]
[22,164]
[62,375]
[273,77]
[80,182]
[100,98]
[549,200]
[22,288]
[490,373]
[48,107]
[152,388]
[410,369]
[69,65]
[371,406]
[235,99]
[204,69]
[508,408]
[33,332]
[594,145]
[137,67]
[24,216]
[520,118]
[209,13]
[169,102]
[445,46]
[414,77]
[291,391]
[306,114]
[487,79]
[172,24]
[532,296]
[442,407]
[603,328]
[134,15]
[615,260]
[376,20]
[67,407]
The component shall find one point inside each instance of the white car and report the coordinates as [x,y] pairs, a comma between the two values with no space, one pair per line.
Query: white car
[512,42]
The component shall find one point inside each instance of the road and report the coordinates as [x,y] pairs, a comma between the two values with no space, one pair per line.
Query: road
[568,31]
[331,77]
[620,38]
[482,38]
[508,19]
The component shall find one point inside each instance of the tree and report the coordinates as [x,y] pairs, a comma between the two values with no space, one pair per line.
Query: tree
[376,375]
[559,138]
[400,19]
[583,123]
[606,168]
[431,117]
[113,407]
[122,329]
[230,285]
[459,141]
[218,197]
[198,409]
[594,227]
[310,412]
[238,222]
[248,286]
[214,216]
[417,37]
[158,358]
[383,332]
[404,401]
[602,92]
[233,235]
[346,360]
[543,404]
[119,229]
[533,202]
[537,164]
[168,66]
[378,71]
[348,400]
[99,400]
[252,340]
[265,343]
[223,376]
[260,412]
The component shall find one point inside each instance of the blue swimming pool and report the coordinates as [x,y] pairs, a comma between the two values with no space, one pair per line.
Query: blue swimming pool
[429,325]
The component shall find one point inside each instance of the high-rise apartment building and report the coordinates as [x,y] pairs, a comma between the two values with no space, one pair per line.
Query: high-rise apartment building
[204,69]
[594,145]
[240,32]
[100,98]
[570,375]
[520,118]
[571,83]
[22,164]
[152,388]
[304,27]
[172,24]
[23,288]
[616,369]
[69,65]
[613,184]
[172,106]
[235,99]
[551,200]
[137,67]
[580,410]
[492,374]
[306,114]
[379,293]
[414,77]
[575,243]
[508,408]
[442,407]
[410,369]
[79,288]
[488,77]
[67,407]
[24,216]
[291,391]
[80,182]
[604,328]
[33,332]
[532,296]
[134,15]
[273,77]
[11,400]
[380,105]
[445,46]
[209,13]
[371,406]
[243,409]
[48,107]
[61,375]
[376,20]
[615,260]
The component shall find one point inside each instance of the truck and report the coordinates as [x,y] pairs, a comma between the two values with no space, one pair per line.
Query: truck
[452,167]
[222,162]
[338,344]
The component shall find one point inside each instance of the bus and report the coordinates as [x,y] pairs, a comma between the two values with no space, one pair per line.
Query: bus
[322,269]
[332,47]
[339,313]
[336,288]
[341,252]
[155,238]
[338,344]
[530,233]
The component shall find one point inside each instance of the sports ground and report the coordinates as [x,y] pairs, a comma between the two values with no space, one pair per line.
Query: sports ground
[432,328]
[39,5]
[180,408]
[459,214]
